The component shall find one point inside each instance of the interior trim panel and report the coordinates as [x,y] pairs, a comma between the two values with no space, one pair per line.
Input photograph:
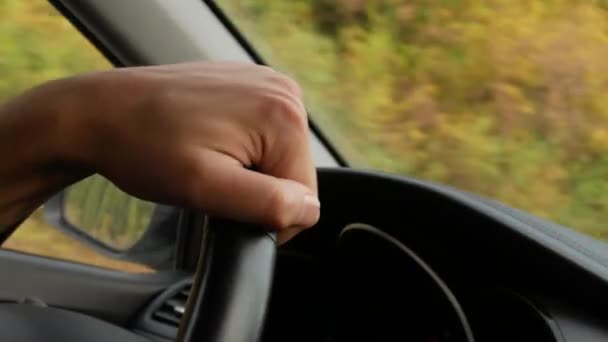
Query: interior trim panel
[110,295]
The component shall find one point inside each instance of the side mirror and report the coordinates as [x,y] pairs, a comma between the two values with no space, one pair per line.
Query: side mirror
[100,215]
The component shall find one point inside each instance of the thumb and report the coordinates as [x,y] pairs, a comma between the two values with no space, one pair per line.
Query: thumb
[231,191]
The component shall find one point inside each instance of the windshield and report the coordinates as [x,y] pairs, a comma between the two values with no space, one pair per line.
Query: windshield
[504,98]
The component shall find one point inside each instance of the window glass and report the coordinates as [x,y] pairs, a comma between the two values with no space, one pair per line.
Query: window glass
[37,44]
[504,98]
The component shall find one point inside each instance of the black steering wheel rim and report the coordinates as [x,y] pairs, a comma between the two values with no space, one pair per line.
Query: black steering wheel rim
[232,283]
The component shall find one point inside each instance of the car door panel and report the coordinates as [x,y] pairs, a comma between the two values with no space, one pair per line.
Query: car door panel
[110,295]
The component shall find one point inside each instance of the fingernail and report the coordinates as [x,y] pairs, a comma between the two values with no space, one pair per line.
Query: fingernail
[310,211]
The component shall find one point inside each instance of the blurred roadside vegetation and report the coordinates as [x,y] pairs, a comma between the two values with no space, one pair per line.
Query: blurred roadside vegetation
[505,98]
[36,237]
[37,44]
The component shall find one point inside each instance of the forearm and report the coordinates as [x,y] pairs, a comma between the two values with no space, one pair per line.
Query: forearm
[34,132]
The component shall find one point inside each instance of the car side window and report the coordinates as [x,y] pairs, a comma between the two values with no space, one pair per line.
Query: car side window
[506,98]
[38,44]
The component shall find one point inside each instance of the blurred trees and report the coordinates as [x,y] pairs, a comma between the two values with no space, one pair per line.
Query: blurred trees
[506,98]
[37,44]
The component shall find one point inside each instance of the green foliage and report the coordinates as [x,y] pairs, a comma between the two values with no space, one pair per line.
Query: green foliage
[506,98]
[37,44]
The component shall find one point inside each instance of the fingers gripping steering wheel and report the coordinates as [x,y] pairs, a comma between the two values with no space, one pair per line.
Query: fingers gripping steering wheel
[232,283]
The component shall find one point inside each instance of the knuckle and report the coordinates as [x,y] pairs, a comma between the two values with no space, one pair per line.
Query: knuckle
[283,111]
[288,84]
[265,68]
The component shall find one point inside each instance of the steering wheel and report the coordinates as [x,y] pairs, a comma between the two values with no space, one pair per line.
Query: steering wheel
[231,285]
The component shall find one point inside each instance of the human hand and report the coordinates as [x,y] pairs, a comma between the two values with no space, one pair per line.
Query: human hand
[184,134]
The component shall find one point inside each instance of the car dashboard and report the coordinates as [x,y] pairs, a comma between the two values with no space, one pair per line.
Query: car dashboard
[375,288]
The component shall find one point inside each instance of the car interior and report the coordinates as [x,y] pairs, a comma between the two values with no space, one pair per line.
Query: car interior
[391,259]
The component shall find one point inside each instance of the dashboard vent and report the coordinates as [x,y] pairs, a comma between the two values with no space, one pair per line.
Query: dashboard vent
[172,310]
